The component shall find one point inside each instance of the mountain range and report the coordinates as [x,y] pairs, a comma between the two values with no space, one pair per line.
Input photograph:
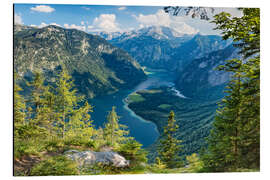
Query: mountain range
[99,66]
[166,48]
[96,66]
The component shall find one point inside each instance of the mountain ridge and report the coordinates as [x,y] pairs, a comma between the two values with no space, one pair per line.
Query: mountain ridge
[97,66]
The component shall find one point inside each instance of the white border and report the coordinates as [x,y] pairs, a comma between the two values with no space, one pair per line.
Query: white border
[6,84]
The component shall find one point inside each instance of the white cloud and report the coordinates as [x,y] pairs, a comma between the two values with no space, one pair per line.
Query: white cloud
[105,22]
[160,18]
[43,8]
[18,19]
[74,26]
[82,22]
[122,8]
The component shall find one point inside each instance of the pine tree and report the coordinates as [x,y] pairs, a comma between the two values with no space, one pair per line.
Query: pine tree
[80,124]
[224,141]
[37,101]
[114,133]
[234,141]
[66,100]
[169,147]
[19,107]
[250,126]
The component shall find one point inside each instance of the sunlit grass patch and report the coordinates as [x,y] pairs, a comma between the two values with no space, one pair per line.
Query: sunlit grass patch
[134,97]
[165,106]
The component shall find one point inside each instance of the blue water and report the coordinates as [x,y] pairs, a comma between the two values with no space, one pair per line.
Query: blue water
[144,132]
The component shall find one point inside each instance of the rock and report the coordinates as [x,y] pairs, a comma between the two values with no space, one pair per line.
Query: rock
[90,158]
[71,151]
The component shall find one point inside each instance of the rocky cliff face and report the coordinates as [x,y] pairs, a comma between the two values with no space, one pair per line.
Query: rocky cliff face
[200,78]
[96,66]
[198,47]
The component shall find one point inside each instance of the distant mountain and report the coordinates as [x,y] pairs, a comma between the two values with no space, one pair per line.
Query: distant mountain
[163,47]
[200,79]
[96,66]
[198,47]
[151,46]
[107,35]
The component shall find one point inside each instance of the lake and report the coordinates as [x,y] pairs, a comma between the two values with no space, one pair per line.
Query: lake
[144,132]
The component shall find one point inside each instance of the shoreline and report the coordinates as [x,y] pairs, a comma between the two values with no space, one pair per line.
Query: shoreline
[132,113]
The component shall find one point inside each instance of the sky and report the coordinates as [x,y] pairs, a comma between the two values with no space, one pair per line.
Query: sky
[95,18]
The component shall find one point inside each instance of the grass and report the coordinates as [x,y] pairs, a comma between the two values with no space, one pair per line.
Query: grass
[134,97]
[165,106]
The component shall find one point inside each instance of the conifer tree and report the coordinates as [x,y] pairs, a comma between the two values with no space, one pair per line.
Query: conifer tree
[225,137]
[37,101]
[234,141]
[114,133]
[169,147]
[66,100]
[19,107]
[80,124]
[250,124]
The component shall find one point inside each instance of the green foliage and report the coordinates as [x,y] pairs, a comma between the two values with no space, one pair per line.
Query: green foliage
[57,165]
[54,144]
[28,146]
[66,101]
[170,147]
[133,152]
[158,164]
[134,97]
[19,108]
[113,132]
[194,163]
[194,118]
[243,30]
[234,142]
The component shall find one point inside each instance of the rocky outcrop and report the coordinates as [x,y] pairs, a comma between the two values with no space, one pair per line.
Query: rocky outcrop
[90,158]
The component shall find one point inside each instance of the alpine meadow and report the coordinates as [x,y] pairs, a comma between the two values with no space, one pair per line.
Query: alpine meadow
[102,89]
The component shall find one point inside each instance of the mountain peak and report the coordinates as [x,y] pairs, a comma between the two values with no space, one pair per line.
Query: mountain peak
[160,32]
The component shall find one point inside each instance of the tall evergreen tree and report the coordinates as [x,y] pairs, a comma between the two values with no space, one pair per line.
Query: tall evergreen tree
[234,141]
[114,133]
[66,100]
[37,101]
[19,107]
[225,138]
[80,124]
[169,147]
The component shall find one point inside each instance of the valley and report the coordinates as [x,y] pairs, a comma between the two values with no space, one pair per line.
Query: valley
[135,89]
[143,93]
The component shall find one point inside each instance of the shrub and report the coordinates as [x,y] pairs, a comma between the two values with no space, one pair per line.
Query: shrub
[57,165]
[132,151]
[79,141]
[54,144]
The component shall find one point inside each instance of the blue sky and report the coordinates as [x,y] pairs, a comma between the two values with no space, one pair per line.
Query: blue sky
[91,18]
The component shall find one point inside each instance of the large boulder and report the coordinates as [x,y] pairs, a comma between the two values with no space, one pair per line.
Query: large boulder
[90,158]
